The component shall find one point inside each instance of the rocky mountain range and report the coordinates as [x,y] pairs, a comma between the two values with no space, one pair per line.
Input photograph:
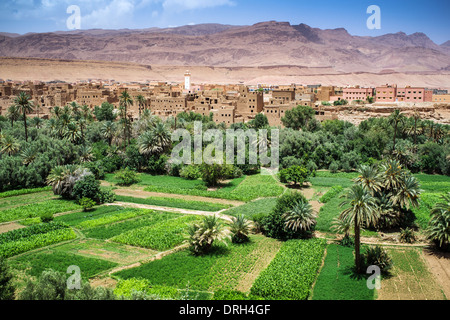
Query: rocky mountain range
[263,44]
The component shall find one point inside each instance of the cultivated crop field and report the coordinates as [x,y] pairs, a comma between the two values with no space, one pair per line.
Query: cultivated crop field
[136,245]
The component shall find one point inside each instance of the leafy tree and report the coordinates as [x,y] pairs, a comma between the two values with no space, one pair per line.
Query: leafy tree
[7,289]
[63,179]
[363,211]
[295,174]
[86,203]
[260,121]
[87,187]
[298,117]
[126,177]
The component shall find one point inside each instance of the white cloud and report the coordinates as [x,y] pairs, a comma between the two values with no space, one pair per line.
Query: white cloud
[112,15]
[180,5]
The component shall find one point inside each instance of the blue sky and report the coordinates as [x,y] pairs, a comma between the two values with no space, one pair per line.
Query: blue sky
[427,16]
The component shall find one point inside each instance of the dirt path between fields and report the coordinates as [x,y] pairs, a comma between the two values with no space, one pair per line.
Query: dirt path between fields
[439,265]
[10,226]
[139,193]
[175,210]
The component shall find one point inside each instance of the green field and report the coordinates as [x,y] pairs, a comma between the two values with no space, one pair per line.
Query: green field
[175,203]
[336,280]
[261,206]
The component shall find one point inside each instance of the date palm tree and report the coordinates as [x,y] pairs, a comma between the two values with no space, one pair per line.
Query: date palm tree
[201,236]
[395,119]
[408,194]
[141,102]
[363,211]
[63,179]
[107,131]
[439,225]
[72,132]
[13,115]
[125,102]
[9,146]
[155,141]
[28,156]
[24,105]
[369,178]
[301,217]
[240,229]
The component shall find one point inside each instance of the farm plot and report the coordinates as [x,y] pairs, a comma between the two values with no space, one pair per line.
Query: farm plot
[160,237]
[225,268]
[261,206]
[292,272]
[175,203]
[410,278]
[16,198]
[36,209]
[37,236]
[336,280]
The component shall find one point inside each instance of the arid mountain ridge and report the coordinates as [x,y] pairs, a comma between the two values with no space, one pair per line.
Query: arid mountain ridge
[263,44]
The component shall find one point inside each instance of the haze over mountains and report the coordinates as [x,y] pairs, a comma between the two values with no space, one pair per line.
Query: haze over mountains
[263,44]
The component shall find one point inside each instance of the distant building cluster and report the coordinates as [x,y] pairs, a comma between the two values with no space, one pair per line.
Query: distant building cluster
[228,104]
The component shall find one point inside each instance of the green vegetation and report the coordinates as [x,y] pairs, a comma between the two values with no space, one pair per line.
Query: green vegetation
[110,231]
[14,193]
[113,218]
[256,207]
[337,281]
[75,218]
[36,236]
[160,237]
[175,203]
[35,263]
[35,210]
[221,269]
[292,273]
[332,193]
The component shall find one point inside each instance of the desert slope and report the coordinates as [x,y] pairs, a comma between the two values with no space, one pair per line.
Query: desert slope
[263,44]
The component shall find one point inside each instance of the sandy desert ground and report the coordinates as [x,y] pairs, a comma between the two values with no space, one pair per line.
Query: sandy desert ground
[73,70]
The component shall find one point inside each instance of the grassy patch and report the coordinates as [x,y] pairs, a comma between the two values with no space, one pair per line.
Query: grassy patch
[76,218]
[159,237]
[175,203]
[261,206]
[34,264]
[328,179]
[14,193]
[220,270]
[328,212]
[35,210]
[292,273]
[336,280]
[22,240]
[113,218]
[433,183]
[110,231]
[24,199]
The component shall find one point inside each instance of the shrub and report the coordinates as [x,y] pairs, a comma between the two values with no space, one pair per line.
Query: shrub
[190,172]
[46,217]
[407,235]
[201,236]
[334,167]
[157,165]
[126,177]
[96,168]
[86,203]
[107,196]
[377,256]
[87,187]
[258,219]
[347,241]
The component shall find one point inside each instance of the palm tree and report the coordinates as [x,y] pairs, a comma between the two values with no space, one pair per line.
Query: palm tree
[24,105]
[240,228]
[56,111]
[155,141]
[125,102]
[141,102]
[363,211]
[107,131]
[416,119]
[75,110]
[13,115]
[37,122]
[392,175]
[300,218]
[202,236]
[395,119]
[28,156]
[369,178]
[408,194]
[439,225]
[86,154]
[72,132]
[9,146]
[63,179]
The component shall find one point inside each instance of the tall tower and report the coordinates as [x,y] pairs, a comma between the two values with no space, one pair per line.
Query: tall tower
[187,81]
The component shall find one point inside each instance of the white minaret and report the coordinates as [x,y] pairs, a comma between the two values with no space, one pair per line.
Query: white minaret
[187,81]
